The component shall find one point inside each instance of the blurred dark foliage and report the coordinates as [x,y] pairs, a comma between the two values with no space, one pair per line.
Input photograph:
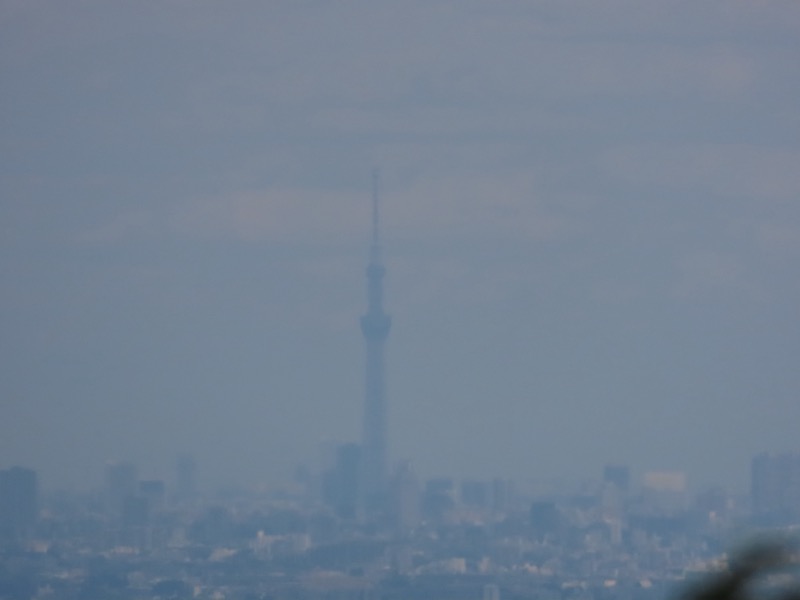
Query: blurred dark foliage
[767,570]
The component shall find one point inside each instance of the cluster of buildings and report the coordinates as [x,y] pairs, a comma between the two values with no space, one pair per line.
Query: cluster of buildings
[18,502]
[485,540]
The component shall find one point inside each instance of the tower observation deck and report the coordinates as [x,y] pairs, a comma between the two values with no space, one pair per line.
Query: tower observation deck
[375,325]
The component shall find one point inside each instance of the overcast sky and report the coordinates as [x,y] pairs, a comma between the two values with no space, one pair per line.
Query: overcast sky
[591,224]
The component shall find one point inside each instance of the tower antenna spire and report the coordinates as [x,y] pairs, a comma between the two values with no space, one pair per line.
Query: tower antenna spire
[375,251]
[375,325]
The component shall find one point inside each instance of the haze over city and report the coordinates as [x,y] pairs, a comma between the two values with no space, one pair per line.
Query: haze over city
[590,225]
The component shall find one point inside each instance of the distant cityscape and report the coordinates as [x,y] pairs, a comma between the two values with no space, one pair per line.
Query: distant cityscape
[140,538]
[350,528]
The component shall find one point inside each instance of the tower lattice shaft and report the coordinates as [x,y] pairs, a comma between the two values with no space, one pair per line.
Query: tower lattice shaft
[375,325]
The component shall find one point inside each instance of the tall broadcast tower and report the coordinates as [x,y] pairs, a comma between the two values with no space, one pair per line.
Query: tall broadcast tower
[375,326]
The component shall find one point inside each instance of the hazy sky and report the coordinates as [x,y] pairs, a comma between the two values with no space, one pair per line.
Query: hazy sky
[591,219]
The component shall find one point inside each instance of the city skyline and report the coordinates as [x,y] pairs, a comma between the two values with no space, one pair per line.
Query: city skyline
[139,538]
[591,210]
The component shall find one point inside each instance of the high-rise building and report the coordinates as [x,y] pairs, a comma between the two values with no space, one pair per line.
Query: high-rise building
[185,480]
[775,486]
[121,483]
[439,498]
[502,494]
[618,475]
[546,519]
[375,326]
[340,487]
[405,498]
[476,494]
[665,492]
[18,501]
[155,491]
